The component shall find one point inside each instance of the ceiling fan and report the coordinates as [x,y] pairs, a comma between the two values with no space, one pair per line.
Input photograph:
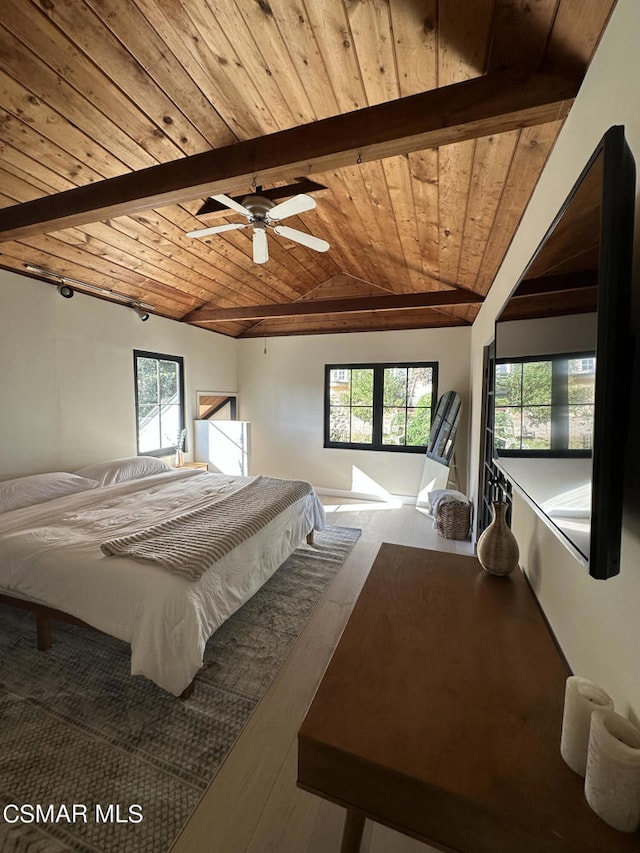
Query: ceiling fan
[262,213]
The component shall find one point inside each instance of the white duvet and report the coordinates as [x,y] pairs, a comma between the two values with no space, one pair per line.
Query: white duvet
[50,553]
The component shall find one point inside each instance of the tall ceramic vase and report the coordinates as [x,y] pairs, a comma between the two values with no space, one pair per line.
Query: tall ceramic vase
[497,547]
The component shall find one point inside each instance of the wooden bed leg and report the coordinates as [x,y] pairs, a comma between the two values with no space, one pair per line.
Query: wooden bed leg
[43,632]
[352,833]
[310,537]
[188,690]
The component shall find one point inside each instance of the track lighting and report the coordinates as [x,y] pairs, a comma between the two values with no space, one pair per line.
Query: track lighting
[144,315]
[65,289]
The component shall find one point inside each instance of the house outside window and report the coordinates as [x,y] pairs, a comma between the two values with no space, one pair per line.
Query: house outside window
[379,406]
[544,405]
[159,387]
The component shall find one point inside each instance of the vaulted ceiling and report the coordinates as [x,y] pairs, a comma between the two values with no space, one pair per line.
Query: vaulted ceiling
[426,124]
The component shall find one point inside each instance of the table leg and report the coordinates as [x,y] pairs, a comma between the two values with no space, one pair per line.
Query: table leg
[352,833]
[43,632]
[187,693]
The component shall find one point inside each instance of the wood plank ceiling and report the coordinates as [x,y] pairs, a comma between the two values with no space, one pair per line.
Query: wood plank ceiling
[422,196]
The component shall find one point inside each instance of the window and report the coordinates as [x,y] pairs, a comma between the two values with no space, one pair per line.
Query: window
[544,405]
[159,383]
[379,406]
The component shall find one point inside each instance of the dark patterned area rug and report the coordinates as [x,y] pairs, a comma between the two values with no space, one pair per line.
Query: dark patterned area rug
[77,729]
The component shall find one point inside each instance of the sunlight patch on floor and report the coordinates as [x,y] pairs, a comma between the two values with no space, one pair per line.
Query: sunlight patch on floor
[365,506]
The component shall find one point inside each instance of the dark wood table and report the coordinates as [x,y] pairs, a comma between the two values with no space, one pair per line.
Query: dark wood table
[440,715]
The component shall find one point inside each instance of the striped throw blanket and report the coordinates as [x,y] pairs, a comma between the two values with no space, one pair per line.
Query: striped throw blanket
[190,543]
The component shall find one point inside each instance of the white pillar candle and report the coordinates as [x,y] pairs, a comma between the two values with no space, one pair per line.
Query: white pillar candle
[612,783]
[581,698]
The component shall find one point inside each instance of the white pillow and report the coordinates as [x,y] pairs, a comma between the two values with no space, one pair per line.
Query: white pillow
[38,488]
[120,470]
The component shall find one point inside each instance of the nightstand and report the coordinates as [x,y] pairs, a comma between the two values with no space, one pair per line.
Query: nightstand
[203,465]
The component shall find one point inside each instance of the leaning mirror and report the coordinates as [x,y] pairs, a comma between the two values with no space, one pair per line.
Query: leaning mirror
[563,363]
[216,405]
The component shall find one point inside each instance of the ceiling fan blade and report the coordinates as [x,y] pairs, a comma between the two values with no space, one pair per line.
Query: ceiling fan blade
[297,204]
[233,204]
[260,250]
[217,229]
[300,237]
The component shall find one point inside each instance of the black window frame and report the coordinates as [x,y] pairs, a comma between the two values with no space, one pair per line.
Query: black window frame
[378,406]
[559,401]
[158,356]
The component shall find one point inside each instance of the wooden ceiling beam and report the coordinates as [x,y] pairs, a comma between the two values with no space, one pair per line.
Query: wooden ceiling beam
[347,305]
[550,284]
[495,103]
[553,295]
[579,301]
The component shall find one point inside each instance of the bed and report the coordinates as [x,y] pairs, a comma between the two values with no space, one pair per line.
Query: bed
[53,555]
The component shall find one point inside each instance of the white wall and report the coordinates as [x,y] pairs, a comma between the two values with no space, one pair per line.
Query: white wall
[282,394]
[596,622]
[545,336]
[67,394]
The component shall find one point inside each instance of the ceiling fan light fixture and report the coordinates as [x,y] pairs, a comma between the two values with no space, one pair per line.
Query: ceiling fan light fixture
[263,213]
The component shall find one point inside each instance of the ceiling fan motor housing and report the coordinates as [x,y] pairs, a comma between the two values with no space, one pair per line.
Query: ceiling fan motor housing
[259,207]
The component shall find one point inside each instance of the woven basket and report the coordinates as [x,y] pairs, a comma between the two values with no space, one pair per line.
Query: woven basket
[453,520]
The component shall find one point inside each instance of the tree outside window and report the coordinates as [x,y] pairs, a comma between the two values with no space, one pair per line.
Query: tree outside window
[379,406]
[545,405]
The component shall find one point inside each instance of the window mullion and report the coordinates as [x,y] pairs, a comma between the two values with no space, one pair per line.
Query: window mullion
[327,404]
[521,403]
[406,403]
[350,404]
[560,404]
[378,404]
[158,402]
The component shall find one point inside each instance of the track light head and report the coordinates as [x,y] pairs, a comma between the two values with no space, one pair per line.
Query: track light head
[66,290]
[144,315]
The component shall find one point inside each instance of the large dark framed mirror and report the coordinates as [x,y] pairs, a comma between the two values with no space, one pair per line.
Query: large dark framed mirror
[564,361]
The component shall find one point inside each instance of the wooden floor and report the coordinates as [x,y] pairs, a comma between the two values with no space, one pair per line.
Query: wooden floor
[253,804]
